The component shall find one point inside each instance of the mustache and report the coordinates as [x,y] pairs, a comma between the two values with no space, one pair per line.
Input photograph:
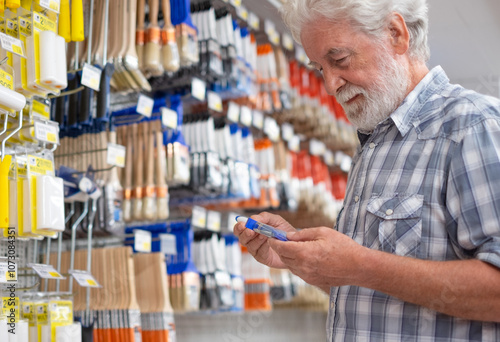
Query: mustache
[348,91]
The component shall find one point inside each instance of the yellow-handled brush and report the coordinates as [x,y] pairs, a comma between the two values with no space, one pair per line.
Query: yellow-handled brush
[64,21]
[77,31]
[13,4]
[4,192]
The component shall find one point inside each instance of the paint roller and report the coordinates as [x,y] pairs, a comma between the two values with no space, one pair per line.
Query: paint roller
[10,100]
[53,60]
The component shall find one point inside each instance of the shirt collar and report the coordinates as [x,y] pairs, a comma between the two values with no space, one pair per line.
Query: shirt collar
[405,114]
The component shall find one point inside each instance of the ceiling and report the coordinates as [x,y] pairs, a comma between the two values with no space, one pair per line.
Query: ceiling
[464,38]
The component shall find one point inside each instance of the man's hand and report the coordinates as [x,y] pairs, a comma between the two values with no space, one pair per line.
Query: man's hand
[321,256]
[257,244]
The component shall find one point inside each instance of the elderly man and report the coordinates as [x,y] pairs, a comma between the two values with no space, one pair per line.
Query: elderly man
[415,255]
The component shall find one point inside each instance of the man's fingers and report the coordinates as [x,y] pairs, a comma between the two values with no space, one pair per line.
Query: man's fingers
[287,249]
[272,220]
[308,234]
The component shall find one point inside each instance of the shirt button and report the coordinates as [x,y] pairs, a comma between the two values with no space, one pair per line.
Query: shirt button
[389,212]
[372,146]
[356,199]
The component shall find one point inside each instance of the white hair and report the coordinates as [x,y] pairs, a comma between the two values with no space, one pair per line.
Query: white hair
[368,16]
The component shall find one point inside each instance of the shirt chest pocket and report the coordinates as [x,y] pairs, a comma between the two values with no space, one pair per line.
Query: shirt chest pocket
[397,219]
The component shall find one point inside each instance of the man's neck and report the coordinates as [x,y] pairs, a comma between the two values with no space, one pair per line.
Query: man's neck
[418,71]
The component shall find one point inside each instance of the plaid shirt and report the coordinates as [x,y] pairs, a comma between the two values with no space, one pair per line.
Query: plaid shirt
[425,184]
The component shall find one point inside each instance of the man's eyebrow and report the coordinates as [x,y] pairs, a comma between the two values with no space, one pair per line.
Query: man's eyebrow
[337,51]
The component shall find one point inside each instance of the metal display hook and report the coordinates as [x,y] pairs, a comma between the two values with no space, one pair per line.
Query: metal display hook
[89,247]
[12,133]
[59,244]
[73,241]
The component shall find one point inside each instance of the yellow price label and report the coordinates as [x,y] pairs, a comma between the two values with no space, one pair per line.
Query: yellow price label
[94,83]
[54,6]
[120,160]
[51,137]
[17,49]
[146,246]
[10,309]
[55,274]
[41,109]
[91,282]
[11,276]
[6,80]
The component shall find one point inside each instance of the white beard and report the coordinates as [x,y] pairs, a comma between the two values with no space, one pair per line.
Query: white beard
[379,101]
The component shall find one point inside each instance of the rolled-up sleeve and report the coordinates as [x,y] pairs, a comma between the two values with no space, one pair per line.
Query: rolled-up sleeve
[473,192]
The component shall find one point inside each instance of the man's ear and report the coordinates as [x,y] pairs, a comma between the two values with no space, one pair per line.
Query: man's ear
[400,37]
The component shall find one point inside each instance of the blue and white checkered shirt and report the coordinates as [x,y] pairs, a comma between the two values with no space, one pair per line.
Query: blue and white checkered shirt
[425,184]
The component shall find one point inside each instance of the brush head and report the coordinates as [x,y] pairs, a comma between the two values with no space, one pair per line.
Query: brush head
[149,208]
[152,59]
[170,57]
[127,210]
[137,205]
[162,207]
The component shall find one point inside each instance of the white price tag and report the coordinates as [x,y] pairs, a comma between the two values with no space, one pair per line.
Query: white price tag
[294,144]
[258,119]
[84,279]
[287,131]
[52,5]
[168,243]
[12,44]
[329,158]
[116,155]
[142,241]
[233,112]
[253,21]
[145,105]
[300,55]
[198,89]
[213,220]
[269,28]
[91,76]
[246,116]
[214,101]
[271,128]
[199,218]
[345,164]
[316,147]
[46,271]
[242,12]
[236,3]
[275,38]
[8,272]
[287,41]
[169,117]
[47,132]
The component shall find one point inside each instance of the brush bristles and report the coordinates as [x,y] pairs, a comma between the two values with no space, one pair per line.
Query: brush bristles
[127,210]
[137,209]
[149,208]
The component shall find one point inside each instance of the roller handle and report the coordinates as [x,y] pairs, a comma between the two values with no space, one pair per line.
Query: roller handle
[77,31]
[86,106]
[64,21]
[104,92]
[73,102]
[60,103]
[13,4]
